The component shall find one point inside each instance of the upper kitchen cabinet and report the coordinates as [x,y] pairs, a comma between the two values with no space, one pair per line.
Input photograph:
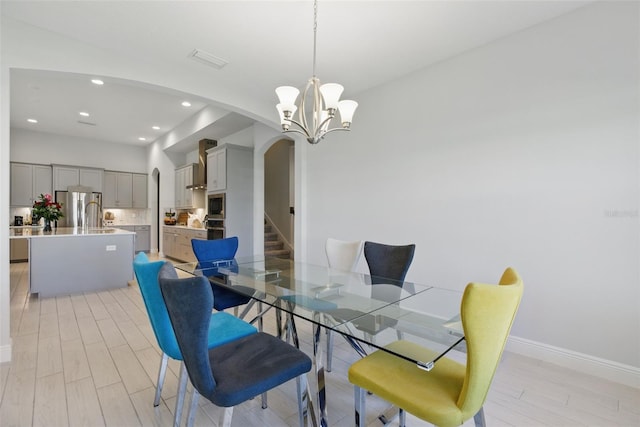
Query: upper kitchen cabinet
[118,188]
[28,182]
[66,176]
[187,198]
[139,190]
[228,165]
[124,190]
[216,170]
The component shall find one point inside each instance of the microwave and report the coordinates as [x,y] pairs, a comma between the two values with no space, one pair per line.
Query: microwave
[215,205]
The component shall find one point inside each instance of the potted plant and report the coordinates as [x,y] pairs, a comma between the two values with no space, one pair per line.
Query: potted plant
[45,207]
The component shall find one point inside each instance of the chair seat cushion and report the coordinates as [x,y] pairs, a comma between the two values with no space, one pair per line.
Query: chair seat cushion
[225,328]
[431,396]
[252,365]
[225,298]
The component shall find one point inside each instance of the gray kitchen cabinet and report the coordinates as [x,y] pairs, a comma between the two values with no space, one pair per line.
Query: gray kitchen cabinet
[66,176]
[186,198]
[176,242]
[118,190]
[124,190]
[216,169]
[139,190]
[143,236]
[168,241]
[28,181]
[232,173]
[18,250]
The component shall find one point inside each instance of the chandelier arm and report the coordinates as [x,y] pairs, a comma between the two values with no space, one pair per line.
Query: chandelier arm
[328,119]
[303,131]
[334,129]
[306,135]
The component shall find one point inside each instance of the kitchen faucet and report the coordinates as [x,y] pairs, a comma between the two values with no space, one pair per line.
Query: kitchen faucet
[86,208]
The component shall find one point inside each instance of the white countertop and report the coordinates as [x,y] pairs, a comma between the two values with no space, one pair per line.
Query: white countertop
[184,227]
[37,231]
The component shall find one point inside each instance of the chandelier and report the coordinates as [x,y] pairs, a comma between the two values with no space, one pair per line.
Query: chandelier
[314,123]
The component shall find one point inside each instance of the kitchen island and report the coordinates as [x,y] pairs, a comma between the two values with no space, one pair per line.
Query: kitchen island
[68,261]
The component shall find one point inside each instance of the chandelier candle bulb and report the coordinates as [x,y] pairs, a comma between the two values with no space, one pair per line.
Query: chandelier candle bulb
[347,108]
[331,94]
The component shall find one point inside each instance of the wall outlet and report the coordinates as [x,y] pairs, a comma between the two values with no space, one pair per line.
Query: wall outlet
[111,248]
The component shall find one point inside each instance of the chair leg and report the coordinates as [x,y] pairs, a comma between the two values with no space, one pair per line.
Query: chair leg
[191,416]
[359,397]
[182,389]
[402,418]
[225,417]
[478,418]
[161,374]
[264,400]
[260,321]
[329,349]
[303,400]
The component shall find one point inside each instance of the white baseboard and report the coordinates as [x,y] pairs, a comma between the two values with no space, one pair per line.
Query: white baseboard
[602,368]
[5,353]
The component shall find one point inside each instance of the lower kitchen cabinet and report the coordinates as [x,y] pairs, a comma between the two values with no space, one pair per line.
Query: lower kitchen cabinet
[143,236]
[18,250]
[176,242]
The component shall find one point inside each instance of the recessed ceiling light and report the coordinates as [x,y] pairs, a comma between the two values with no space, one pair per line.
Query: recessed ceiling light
[142,138]
[155,127]
[186,104]
[84,114]
[97,82]
[32,120]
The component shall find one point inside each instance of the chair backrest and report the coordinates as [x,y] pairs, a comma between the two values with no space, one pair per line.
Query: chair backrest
[388,261]
[343,255]
[487,313]
[147,276]
[189,303]
[215,250]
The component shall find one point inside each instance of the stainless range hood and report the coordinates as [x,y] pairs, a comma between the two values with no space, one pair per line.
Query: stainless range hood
[200,175]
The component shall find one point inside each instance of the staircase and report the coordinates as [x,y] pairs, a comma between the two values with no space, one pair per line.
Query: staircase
[273,246]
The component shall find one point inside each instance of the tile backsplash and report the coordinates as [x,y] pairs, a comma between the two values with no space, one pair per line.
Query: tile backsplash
[122,216]
[129,216]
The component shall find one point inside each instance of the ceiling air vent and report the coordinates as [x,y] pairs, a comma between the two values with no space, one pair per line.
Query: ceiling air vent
[208,59]
[86,123]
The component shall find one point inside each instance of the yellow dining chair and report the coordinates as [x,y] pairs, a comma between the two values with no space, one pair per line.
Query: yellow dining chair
[451,393]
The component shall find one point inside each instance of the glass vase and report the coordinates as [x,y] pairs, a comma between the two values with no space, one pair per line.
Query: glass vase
[47,225]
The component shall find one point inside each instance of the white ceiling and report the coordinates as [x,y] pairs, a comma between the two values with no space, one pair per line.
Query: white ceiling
[361,44]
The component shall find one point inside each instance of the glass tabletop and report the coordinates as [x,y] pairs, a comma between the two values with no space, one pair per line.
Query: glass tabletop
[365,309]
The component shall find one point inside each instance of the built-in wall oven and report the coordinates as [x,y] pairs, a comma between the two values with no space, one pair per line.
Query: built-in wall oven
[215,216]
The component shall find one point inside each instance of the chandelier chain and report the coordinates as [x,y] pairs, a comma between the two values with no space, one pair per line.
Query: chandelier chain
[315,30]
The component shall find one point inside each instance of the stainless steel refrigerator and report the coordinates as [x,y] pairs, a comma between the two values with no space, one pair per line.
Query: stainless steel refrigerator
[82,208]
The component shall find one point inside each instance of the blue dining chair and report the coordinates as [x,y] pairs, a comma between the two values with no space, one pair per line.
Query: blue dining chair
[235,372]
[207,251]
[223,327]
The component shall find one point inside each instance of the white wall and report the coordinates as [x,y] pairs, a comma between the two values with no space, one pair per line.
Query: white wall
[47,148]
[521,153]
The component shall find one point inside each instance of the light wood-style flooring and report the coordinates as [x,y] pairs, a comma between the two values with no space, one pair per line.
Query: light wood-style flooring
[92,360]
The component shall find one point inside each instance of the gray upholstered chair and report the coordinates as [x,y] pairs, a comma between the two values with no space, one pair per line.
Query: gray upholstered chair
[233,373]
[223,327]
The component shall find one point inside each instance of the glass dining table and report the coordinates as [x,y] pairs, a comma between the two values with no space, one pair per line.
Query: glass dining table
[368,312]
